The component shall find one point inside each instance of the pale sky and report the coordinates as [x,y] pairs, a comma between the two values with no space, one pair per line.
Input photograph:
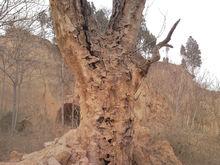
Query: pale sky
[199,19]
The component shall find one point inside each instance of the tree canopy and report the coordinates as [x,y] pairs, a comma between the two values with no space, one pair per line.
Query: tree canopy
[191,55]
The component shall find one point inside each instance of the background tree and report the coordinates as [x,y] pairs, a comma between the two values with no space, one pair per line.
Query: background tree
[183,50]
[43,20]
[146,40]
[191,55]
[102,18]
[65,79]
[183,53]
[17,64]
[19,11]
[31,14]
[167,49]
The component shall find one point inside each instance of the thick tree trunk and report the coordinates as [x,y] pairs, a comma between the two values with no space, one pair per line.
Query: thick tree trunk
[105,84]
[107,77]
[107,123]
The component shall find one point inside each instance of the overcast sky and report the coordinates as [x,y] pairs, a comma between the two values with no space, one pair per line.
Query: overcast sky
[199,19]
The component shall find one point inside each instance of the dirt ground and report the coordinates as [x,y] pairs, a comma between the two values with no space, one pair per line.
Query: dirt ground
[30,139]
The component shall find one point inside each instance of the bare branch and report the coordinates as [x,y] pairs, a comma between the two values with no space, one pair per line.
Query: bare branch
[8,75]
[163,27]
[168,38]
[18,11]
[144,64]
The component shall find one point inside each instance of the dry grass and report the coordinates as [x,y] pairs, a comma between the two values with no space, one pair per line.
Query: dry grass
[193,146]
[194,129]
[39,100]
[31,139]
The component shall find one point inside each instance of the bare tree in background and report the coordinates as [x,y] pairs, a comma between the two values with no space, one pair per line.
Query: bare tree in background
[62,90]
[15,16]
[30,14]
[13,11]
[43,19]
[65,79]
[4,62]
[18,64]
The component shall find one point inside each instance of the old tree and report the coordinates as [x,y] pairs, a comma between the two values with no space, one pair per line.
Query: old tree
[108,72]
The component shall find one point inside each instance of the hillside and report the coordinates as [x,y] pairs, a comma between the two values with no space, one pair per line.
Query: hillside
[199,106]
[40,93]
[194,130]
[169,105]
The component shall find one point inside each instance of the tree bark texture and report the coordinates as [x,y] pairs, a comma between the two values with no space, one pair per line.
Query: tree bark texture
[107,77]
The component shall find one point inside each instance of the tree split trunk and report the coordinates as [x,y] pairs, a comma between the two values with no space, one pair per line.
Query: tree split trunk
[108,75]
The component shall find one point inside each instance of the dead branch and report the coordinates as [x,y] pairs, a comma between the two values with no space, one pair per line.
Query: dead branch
[155,52]
[18,11]
[168,38]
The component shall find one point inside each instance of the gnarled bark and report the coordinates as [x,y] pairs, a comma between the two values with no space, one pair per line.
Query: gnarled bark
[107,78]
